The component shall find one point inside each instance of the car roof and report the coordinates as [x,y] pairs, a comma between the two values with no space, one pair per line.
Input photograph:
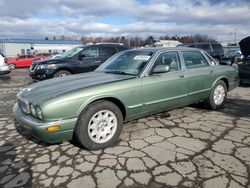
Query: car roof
[153,49]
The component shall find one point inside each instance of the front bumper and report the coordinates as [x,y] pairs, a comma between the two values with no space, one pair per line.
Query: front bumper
[38,127]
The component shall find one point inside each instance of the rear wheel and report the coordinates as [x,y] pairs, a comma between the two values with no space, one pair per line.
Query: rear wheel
[217,95]
[99,125]
[12,66]
[62,73]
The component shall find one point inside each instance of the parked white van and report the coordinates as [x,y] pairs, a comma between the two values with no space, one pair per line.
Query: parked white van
[4,68]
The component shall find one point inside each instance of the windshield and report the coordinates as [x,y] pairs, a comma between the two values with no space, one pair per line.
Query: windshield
[71,52]
[127,62]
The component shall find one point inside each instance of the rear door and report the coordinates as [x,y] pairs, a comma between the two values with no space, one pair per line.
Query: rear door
[106,52]
[199,75]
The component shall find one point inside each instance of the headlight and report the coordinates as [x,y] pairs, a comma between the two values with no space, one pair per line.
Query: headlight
[41,67]
[51,66]
[33,110]
[39,113]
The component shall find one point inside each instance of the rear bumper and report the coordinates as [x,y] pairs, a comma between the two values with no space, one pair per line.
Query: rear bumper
[4,70]
[234,84]
[38,127]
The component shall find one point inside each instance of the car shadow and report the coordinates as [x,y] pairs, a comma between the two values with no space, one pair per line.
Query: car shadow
[244,84]
[236,107]
[13,172]
[5,77]
[232,107]
[27,135]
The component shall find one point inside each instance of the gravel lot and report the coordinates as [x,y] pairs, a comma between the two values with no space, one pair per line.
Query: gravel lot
[186,147]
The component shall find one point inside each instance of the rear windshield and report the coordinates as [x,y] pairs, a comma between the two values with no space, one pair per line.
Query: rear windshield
[216,47]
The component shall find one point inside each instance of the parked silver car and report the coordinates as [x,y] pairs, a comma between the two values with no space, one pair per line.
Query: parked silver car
[4,68]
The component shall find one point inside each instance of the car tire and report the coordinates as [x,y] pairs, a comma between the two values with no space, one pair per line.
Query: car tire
[99,125]
[12,66]
[217,96]
[62,73]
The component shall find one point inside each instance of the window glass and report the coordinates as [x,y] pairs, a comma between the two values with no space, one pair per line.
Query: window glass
[216,47]
[204,46]
[121,48]
[22,57]
[107,50]
[168,58]
[126,62]
[212,60]
[29,56]
[91,51]
[194,59]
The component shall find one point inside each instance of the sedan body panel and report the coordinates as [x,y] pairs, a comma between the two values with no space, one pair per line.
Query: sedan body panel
[62,100]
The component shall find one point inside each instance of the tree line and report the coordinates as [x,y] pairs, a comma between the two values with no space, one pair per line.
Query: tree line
[140,41]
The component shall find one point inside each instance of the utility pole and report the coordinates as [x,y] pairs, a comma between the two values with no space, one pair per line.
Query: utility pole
[235,35]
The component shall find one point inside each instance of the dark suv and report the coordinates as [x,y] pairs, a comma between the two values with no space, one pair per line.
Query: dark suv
[212,48]
[77,60]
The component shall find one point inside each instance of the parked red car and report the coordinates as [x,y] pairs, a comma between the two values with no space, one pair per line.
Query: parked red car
[41,56]
[24,60]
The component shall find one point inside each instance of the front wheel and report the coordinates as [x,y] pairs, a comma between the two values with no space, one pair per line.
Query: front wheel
[217,95]
[62,73]
[99,125]
[12,66]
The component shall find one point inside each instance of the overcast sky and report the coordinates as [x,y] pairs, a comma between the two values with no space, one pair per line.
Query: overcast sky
[40,18]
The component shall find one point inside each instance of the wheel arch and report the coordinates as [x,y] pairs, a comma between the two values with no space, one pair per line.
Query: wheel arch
[112,99]
[224,79]
[63,68]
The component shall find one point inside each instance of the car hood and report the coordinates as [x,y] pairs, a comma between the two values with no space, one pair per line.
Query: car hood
[245,46]
[45,90]
[49,61]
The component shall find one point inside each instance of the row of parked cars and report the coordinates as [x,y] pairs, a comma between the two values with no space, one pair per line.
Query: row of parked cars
[87,58]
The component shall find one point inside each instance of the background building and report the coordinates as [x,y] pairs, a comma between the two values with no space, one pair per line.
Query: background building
[12,47]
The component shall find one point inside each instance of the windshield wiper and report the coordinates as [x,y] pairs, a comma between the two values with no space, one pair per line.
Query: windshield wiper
[119,72]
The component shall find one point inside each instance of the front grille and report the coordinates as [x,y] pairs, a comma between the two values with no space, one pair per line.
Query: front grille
[32,68]
[24,106]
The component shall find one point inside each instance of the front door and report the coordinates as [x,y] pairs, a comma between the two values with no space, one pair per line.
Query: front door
[167,90]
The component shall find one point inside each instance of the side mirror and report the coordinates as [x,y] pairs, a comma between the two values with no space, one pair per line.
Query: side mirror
[81,56]
[160,69]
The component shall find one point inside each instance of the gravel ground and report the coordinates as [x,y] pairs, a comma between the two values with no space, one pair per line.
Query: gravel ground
[185,147]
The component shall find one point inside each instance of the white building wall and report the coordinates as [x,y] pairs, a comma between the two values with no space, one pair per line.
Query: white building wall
[12,49]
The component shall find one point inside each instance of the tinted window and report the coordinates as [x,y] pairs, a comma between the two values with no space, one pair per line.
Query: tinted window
[29,56]
[216,47]
[107,50]
[121,48]
[204,46]
[22,57]
[169,58]
[194,59]
[91,51]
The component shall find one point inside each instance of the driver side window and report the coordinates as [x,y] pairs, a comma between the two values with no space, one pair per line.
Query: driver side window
[91,51]
[168,58]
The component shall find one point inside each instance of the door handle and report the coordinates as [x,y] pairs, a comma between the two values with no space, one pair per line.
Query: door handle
[98,61]
[211,71]
[181,76]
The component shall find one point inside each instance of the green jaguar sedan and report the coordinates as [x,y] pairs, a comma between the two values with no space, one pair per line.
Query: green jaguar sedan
[92,107]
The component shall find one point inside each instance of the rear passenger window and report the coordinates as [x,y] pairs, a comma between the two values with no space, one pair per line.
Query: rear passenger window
[194,59]
[107,50]
[205,47]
